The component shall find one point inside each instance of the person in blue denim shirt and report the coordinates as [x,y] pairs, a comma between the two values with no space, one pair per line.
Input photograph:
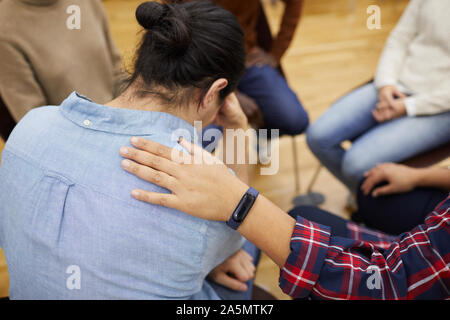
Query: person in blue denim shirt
[68,225]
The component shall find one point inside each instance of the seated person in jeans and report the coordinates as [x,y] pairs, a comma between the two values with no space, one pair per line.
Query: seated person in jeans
[405,112]
[68,225]
[262,86]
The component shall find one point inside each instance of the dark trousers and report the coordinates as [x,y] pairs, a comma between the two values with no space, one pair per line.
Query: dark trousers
[337,224]
[397,213]
[392,214]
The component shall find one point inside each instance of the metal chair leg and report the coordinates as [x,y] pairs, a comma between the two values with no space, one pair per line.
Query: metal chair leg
[310,198]
[296,168]
[314,178]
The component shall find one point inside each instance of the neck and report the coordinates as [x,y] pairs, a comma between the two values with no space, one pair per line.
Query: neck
[40,2]
[150,103]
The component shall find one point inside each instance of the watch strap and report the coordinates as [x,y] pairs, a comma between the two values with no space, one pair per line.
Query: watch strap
[242,209]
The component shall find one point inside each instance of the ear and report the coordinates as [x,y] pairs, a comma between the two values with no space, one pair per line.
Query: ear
[211,97]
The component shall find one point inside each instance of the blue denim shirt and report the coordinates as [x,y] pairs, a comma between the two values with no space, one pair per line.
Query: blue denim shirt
[71,230]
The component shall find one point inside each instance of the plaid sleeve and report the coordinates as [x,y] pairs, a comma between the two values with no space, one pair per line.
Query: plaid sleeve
[414,265]
[309,247]
[377,238]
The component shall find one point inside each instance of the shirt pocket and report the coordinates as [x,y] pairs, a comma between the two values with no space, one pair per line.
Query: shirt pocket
[48,212]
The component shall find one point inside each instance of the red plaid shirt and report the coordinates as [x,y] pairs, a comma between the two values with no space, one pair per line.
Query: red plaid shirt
[370,264]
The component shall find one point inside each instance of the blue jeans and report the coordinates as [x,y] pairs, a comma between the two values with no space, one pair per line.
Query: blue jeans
[228,294]
[280,107]
[351,118]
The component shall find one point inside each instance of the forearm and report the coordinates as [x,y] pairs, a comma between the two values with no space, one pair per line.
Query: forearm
[288,26]
[236,155]
[270,229]
[432,177]
[430,103]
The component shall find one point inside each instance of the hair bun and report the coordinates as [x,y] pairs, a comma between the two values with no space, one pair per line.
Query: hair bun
[167,26]
[149,13]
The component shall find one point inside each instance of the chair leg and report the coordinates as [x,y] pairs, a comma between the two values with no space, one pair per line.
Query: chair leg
[314,178]
[310,198]
[296,168]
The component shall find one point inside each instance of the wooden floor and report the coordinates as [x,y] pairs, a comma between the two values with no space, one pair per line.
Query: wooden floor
[333,52]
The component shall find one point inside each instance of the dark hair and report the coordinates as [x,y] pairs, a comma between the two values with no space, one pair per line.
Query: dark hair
[186,46]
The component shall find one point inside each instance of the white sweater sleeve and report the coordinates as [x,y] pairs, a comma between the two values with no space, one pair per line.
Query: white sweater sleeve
[396,46]
[434,102]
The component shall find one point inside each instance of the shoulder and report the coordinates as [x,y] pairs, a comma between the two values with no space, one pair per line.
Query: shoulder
[32,125]
[10,14]
[97,8]
[39,116]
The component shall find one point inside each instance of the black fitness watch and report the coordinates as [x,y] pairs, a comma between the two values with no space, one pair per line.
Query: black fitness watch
[242,209]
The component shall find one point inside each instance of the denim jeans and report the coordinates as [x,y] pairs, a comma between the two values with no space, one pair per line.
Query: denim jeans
[279,105]
[351,118]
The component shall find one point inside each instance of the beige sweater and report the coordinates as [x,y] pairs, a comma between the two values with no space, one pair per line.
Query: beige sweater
[42,61]
[417,57]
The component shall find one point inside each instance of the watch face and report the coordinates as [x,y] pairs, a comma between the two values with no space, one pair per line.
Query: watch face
[244,207]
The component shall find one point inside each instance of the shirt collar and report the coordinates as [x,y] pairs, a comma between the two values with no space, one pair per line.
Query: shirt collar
[87,114]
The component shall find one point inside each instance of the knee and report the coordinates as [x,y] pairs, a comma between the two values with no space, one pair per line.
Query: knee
[286,115]
[296,121]
[318,137]
[355,164]
[283,107]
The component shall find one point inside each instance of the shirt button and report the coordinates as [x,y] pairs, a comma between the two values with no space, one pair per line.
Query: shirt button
[87,122]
